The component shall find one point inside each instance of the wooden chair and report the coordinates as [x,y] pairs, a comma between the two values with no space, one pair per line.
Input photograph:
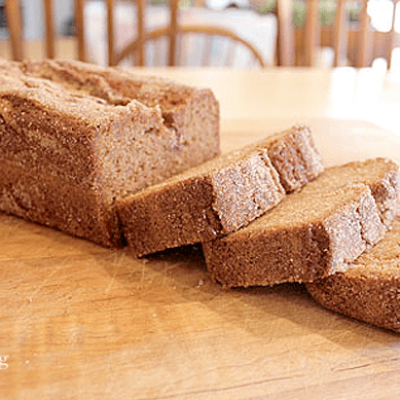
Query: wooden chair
[357,47]
[14,18]
[174,31]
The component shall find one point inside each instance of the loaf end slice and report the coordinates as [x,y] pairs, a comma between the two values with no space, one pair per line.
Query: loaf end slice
[310,234]
[215,198]
[370,289]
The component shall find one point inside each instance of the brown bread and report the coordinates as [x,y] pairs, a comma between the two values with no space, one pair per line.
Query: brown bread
[221,195]
[74,137]
[313,233]
[370,289]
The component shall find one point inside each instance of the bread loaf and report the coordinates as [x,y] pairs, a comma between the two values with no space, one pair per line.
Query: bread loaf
[74,137]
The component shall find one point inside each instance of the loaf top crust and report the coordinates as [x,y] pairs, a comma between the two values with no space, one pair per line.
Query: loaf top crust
[93,93]
[18,87]
[116,86]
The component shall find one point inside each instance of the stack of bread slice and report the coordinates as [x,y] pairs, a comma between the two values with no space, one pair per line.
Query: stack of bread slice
[309,226]
[220,196]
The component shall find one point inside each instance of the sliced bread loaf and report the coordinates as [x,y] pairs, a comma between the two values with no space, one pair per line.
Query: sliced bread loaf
[73,137]
[219,196]
[313,233]
[370,289]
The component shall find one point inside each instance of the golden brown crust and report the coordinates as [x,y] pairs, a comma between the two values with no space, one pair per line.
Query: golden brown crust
[106,132]
[310,234]
[370,289]
[217,197]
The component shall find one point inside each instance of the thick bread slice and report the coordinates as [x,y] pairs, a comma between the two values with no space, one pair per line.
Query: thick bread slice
[310,234]
[86,135]
[370,289]
[219,196]
[382,177]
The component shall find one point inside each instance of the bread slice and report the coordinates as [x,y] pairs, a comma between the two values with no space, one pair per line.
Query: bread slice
[313,233]
[219,196]
[370,288]
[74,137]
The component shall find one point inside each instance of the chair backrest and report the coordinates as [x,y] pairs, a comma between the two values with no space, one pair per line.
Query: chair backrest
[174,32]
[14,23]
[356,44]
[210,31]
[14,18]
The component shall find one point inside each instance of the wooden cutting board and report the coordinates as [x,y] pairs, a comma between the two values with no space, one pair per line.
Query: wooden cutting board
[81,322]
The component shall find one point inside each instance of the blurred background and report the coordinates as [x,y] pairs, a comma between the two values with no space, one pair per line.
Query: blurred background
[253,20]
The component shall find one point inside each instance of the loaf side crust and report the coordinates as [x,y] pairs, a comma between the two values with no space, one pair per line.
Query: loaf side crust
[310,234]
[56,203]
[370,289]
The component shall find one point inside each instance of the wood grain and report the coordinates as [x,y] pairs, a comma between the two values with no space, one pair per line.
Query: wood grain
[285,37]
[15,30]
[50,37]
[340,34]
[110,31]
[81,322]
[312,32]
[80,29]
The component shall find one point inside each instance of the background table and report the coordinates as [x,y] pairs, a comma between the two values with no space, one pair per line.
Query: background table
[81,322]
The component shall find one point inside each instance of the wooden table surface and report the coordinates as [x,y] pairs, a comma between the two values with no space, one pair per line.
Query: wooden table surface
[78,321]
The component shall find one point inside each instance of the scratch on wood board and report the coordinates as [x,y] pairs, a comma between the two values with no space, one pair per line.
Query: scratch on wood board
[39,288]
[117,264]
